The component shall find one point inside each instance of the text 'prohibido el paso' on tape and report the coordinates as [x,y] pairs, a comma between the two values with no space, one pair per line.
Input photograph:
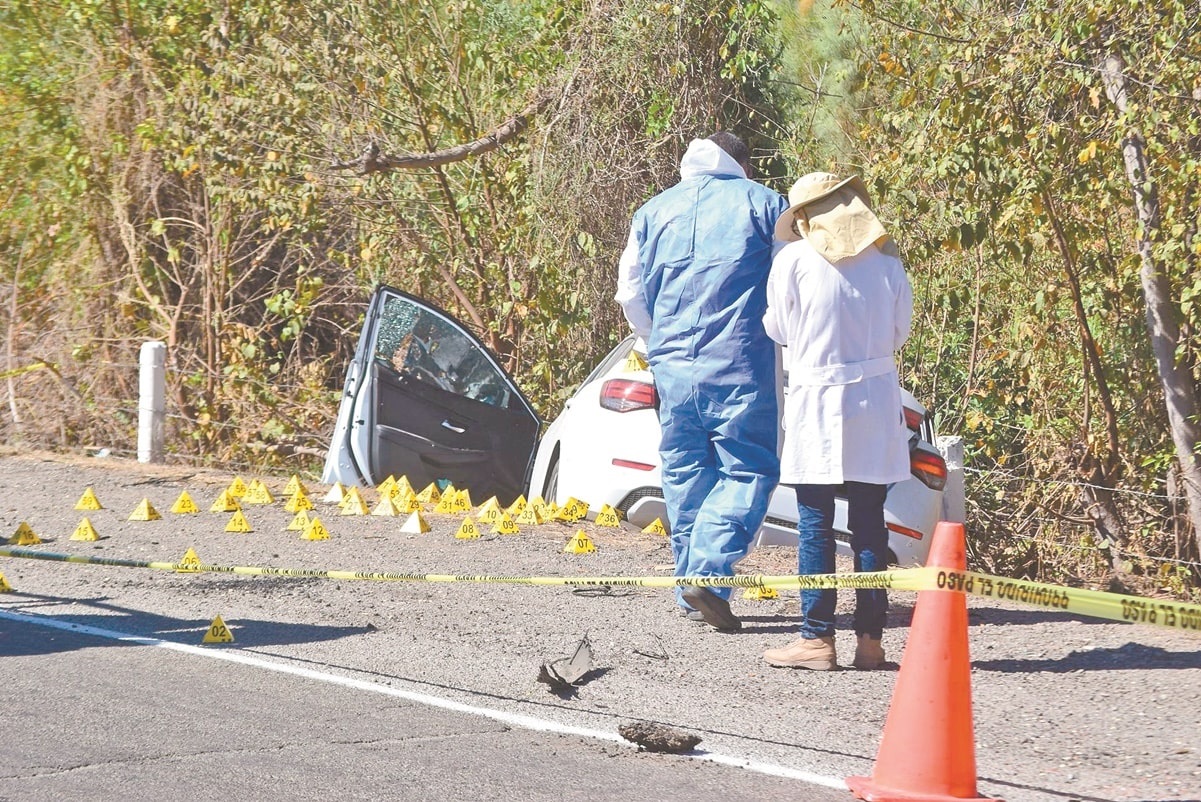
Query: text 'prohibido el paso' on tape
[1091,603]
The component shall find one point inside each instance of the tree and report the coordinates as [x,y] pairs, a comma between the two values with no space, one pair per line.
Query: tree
[993,148]
[198,155]
[1179,389]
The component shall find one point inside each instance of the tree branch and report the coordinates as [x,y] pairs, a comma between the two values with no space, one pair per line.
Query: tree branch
[372,160]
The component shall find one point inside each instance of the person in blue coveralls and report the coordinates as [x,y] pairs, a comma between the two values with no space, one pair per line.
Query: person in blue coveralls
[692,284]
[839,298]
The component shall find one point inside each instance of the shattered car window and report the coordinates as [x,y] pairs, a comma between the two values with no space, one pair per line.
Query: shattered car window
[422,345]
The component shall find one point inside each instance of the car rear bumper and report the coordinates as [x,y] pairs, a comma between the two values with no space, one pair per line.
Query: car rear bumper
[644,504]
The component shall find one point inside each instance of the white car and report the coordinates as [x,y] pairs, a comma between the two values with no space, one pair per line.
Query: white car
[425,399]
[604,449]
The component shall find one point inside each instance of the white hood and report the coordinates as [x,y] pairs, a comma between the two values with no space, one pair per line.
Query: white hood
[707,158]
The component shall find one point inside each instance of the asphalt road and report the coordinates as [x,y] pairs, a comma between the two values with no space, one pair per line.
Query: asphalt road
[367,690]
[88,717]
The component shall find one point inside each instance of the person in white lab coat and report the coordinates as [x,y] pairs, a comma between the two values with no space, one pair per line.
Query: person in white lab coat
[839,299]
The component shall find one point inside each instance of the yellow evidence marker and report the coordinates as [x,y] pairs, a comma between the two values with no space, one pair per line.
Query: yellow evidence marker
[529,516]
[387,506]
[518,506]
[237,488]
[145,512]
[655,527]
[88,501]
[403,487]
[298,501]
[218,632]
[189,563]
[336,493]
[315,530]
[409,502]
[468,530]
[299,522]
[634,362]
[572,510]
[226,502]
[608,516]
[238,523]
[293,485]
[416,524]
[580,544]
[85,531]
[505,525]
[542,508]
[463,501]
[24,536]
[184,504]
[258,493]
[760,593]
[446,504]
[4,586]
[353,504]
[490,511]
[430,494]
[386,487]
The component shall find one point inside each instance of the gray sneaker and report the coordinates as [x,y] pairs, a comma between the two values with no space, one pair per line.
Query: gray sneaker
[713,608]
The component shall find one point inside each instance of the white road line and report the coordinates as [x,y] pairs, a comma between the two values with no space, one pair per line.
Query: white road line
[511,719]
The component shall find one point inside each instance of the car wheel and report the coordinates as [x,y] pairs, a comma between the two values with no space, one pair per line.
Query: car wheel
[552,480]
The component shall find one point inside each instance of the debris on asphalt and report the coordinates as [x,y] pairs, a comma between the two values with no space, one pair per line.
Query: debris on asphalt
[564,674]
[658,737]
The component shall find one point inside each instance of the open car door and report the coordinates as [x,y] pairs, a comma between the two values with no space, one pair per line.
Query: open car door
[424,398]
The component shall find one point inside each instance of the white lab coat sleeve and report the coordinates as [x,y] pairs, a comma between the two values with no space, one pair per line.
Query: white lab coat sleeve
[780,302]
[629,290]
[903,313]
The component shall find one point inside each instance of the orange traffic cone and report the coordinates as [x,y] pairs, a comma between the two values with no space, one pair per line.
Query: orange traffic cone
[928,751]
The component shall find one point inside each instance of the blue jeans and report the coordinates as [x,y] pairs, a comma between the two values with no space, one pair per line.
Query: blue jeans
[869,542]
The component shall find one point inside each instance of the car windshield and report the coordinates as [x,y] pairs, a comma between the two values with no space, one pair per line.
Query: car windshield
[417,343]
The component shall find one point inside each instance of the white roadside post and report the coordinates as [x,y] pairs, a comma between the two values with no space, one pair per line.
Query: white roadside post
[152,400]
[954,499]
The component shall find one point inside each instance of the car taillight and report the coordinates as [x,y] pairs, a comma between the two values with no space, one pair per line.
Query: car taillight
[625,395]
[905,530]
[913,419]
[930,469]
[629,463]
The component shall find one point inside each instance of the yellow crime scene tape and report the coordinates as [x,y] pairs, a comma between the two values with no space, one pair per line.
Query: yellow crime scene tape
[1092,603]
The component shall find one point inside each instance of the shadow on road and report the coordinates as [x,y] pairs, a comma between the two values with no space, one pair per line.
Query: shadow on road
[1067,796]
[1129,656]
[900,616]
[981,616]
[16,640]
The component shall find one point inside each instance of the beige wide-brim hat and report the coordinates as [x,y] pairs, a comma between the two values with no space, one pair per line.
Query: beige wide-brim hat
[807,190]
[834,216]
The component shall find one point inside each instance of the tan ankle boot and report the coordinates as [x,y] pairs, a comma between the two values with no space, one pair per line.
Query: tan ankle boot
[813,653]
[869,654]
